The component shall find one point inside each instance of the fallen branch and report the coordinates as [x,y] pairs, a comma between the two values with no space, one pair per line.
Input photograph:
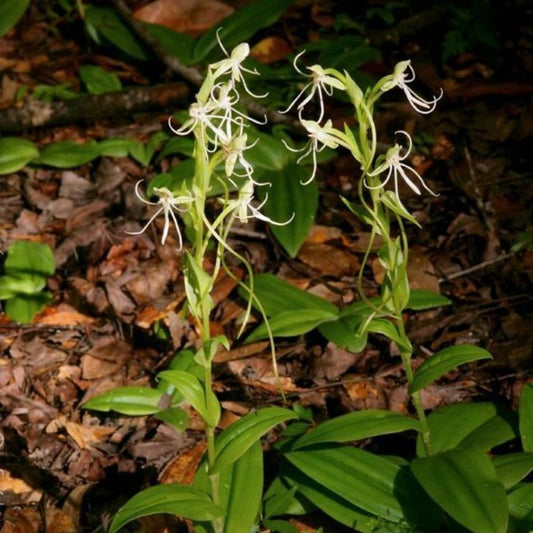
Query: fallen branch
[37,114]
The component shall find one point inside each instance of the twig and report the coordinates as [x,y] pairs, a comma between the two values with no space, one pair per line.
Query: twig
[475,268]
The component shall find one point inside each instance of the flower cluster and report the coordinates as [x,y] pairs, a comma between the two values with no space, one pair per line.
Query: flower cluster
[219,128]
[321,136]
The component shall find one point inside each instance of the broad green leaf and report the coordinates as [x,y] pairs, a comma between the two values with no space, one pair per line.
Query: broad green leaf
[464,484]
[268,152]
[193,390]
[24,307]
[443,361]
[239,489]
[27,257]
[109,24]
[238,27]
[477,425]
[177,145]
[511,468]
[387,328]
[15,153]
[280,499]
[68,154]
[420,299]
[280,526]
[277,296]
[24,284]
[132,401]
[331,503]
[10,13]
[175,416]
[521,507]
[237,438]
[175,499]
[362,478]
[358,425]
[99,81]
[245,491]
[525,411]
[116,147]
[343,332]
[290,323]
[288,198]
[177,44]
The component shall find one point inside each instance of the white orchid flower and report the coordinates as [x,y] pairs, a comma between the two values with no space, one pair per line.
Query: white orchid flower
[225,97]
[321,82]
[205,114]
[402,75]
[168,204]
[320,137]
[244,209]
[395,169]
[233,153]
[233,65]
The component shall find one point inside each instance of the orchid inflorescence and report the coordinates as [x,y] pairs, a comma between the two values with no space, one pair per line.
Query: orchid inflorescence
[325,135]
[219,128]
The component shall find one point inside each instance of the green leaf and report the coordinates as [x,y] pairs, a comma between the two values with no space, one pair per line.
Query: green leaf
[175,416]
[15,153]
[194,391]
[511,468]
[116,147]
[177,44]
[420,299]
[132,401]
[387,328]
[343,332]
[329,502]
[237,438]
[281,499]
[99,81]
[10,13]
[280,526]
[24,307]
[443,361]
[238,27]
[268,152]
[464,484]
[176,499]
[362,478]
[291,323]
[525,411]
[27,257]
[477,425]
[277,296]
[521,507]
[68,154]
[108,23]
[358,425]
[245,491]
[287,198]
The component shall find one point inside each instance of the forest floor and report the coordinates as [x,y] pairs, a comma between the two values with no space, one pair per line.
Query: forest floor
[115,316]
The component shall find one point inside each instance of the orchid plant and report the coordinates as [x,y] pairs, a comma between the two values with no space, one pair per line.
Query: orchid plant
[362,490]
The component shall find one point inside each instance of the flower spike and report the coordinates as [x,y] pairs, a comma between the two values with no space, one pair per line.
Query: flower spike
[395,168]
[403,75]
[168,204]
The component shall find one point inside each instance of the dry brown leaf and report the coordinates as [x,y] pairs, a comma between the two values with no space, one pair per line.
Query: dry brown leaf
[13,484]
[329,260]
[271,49]
[186,16]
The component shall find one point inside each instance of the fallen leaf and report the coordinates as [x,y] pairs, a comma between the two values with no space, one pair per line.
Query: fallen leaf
[271,49]
[329,260]
[186,16]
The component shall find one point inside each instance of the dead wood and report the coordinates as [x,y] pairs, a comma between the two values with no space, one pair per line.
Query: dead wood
[37,114]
